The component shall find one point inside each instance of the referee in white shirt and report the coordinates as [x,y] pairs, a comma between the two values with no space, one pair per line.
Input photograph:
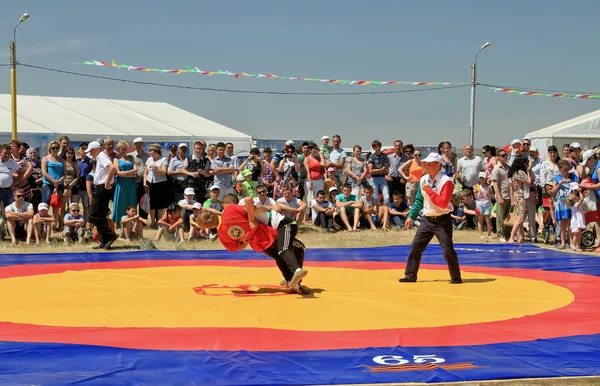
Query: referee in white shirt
[104,178]
[434,198]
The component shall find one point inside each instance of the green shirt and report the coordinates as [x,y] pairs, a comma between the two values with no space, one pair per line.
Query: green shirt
[417,205]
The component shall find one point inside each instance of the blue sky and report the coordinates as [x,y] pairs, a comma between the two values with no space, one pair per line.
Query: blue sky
[539,44]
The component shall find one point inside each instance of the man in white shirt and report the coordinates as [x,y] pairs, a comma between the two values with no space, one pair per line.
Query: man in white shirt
[178,171]
[223,168]
[433,197]
[291,207]
[337,158]
[469,167]
[140,157]
[19,218]
[104,178]
[10,175]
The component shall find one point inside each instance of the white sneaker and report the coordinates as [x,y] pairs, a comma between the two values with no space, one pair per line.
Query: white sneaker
[502,239]
[212,237]
[298,276]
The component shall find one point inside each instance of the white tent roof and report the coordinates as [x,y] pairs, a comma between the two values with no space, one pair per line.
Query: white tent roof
[87,119]
[583,127]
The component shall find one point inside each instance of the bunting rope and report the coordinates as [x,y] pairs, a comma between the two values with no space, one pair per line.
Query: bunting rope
[549,94]
[238,75]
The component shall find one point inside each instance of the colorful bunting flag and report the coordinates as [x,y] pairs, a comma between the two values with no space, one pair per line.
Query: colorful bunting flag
[238,75]
[537,93]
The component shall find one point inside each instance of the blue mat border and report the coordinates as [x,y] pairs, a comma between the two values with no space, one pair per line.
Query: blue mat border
[62,364]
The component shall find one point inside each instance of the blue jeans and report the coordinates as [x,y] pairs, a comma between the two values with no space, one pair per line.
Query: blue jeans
[381,185]
[397,220]
[47,191]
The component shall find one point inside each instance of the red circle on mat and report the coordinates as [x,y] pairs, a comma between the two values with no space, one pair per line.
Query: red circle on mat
[578,318]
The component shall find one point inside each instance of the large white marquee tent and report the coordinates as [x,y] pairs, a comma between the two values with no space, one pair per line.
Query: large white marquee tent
[584,129]
[42,119]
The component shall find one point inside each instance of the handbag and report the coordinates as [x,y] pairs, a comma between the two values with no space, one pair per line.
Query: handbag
[511,218]
[145,203]
[55,200]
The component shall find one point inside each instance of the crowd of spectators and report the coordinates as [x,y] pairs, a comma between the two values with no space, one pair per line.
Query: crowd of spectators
[102,191]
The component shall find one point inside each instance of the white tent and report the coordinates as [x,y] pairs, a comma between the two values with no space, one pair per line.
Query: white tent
[42,119]
[584,129]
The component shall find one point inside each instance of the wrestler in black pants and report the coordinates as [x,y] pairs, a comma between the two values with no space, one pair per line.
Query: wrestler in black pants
[139,192]
[98,213]
[287,252]
[441,228]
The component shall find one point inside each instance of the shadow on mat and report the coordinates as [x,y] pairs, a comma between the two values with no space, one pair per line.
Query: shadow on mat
[278,291]
[464,281]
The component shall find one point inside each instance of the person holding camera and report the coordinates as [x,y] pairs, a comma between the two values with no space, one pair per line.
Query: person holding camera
[288,172]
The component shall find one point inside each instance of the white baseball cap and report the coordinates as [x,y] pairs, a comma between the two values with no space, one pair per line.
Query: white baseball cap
[576,145]
[289,142]
[324,138]
[214,187]
[333,189]
[183,145]
[515,141]
[189,191]
[42,206]
[533,148]
[197,205]
[138,139]
[433,157]
[587,155]
[93,145]
[482,175]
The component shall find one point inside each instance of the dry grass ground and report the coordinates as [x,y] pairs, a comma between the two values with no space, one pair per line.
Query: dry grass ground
[310,235]
[312,238]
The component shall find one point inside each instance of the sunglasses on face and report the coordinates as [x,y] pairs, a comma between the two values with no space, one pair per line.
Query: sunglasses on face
[526,144]
[75,210]
[55,148]
[502,155]
[261,192]
[417,155]
[19,196]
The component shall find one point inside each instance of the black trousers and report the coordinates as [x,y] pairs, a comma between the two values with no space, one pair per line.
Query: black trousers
[441,228]
[185,214]
[99,211]
[139,192]
[396,186]
[287,252]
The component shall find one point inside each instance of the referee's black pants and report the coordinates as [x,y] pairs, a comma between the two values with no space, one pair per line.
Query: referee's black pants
[287,252]
[440,227]
[99,212]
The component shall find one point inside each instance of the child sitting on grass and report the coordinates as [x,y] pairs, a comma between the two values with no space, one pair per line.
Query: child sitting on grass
[398,210]
[171,224]
[132,224]
[196,233]
[42,224]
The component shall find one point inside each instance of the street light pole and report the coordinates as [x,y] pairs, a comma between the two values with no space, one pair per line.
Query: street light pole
[473,86]
[13,76]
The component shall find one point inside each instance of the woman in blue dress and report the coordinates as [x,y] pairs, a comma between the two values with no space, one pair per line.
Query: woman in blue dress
[125,193]
[560,191]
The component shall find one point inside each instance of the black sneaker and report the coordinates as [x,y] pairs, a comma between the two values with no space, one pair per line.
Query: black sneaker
[110,242]
[408,280]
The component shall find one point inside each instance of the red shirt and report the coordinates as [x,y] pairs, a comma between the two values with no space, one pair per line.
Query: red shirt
[235,227]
